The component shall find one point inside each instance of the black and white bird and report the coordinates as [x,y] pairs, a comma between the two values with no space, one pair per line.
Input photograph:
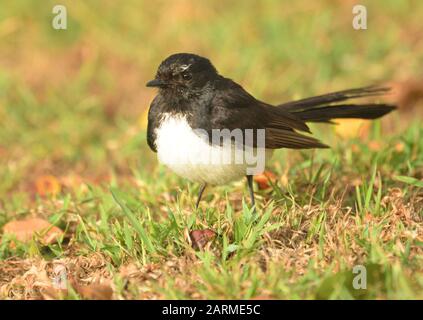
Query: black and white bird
[194,101]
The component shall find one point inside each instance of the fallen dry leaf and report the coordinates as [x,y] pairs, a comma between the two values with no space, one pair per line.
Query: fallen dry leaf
[262,297]
[399,147]
[25,230]
[368,217]
[94,291]
[52,293]
[47,185]
[375,145]
[263,180]
[200,238]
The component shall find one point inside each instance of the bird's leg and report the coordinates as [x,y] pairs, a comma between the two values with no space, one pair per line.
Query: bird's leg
[200,194]
[251,189]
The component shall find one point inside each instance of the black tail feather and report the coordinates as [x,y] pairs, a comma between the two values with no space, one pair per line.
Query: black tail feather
[323,108]
[345,111]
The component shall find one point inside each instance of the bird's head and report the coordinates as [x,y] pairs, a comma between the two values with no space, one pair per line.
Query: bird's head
[183,74]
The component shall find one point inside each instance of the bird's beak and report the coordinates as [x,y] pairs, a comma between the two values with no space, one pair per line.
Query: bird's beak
[156,83]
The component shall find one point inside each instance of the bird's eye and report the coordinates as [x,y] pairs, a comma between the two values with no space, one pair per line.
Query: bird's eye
[186,76]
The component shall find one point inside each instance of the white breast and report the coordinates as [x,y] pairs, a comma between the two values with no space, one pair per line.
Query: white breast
[190,155]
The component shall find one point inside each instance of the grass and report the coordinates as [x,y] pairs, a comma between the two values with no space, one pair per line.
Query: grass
[72,113]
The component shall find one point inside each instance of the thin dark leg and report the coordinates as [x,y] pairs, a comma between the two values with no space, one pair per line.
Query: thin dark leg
[200,194]
[251,189]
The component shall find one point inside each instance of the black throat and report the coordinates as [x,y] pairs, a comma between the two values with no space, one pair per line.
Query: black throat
[195,105]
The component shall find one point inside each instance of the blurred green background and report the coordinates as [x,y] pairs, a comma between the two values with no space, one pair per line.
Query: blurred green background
[70,98]
[72,122]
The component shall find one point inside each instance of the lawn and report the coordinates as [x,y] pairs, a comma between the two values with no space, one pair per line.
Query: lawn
[73,152]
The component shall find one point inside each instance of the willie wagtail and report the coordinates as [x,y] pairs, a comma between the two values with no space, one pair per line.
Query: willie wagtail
[194,101]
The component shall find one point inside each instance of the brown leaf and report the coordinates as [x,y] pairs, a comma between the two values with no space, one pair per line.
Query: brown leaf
[399,147]
[263,180]
[94,291]
[47,185]
[368,217]
[262,297]
[25,230]
[52,293]
[200,238]
[375,145]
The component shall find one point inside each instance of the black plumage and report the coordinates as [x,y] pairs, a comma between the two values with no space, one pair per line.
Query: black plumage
[190,85]
[212,101]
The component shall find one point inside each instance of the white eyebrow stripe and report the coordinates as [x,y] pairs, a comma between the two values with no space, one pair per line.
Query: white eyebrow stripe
[185,67]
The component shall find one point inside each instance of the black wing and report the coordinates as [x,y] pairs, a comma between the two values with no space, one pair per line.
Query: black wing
[234,108]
